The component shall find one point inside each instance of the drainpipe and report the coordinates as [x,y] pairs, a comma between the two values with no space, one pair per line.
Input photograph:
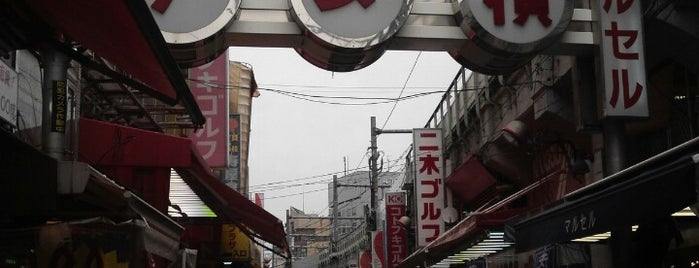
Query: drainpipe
[54,102]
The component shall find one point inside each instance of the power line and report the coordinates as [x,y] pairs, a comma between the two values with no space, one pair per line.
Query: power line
[350,87]
[307,178]
[280,184]
[312,98]
[295,194]
[401,91]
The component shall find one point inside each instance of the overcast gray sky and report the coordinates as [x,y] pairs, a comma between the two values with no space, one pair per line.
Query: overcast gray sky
[297,145]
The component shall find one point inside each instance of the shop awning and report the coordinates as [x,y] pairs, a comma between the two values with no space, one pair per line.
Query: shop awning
[471,229]
[31,187]
[110,144]
[125,33]
[161,233]
[231,205]
[653,188]
[470,180]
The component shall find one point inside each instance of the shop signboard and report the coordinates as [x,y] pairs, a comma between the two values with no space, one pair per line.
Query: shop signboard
[235,245]
[545,257]
[346,35]
[260,199]
[621,29]
[377,252]
[364,259]
[196,27]
[520,22]
[233,171]
[59,106]
[505,34]
[208,85]
[429,186]
[8,94]
[396,236]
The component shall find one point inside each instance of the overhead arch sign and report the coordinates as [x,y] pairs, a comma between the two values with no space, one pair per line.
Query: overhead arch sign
[486,36]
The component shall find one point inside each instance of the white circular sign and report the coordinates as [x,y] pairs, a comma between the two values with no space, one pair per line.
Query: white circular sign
[184,21]
[352,23]
[516,21]
[505,34]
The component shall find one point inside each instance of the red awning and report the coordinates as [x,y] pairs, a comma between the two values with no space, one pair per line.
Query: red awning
[470,229]
[110,144]
[107,144]
[125,33]
[470,180]
[230,204]
[455,239]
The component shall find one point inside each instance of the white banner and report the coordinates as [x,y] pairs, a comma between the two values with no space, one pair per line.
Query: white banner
[8,94]
[429,184]
[621,27]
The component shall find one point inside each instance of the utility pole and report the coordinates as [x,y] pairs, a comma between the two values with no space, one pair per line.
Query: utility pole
[333,247]
[374,173]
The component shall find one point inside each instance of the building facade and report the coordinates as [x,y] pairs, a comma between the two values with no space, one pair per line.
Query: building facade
[349,198]
[544,176]
[84,123]
[309,233]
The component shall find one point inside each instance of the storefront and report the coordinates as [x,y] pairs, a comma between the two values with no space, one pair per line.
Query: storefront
[101,195]
[87,218]
[643,195]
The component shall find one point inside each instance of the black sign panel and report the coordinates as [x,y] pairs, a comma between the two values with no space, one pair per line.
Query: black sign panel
[654,191]
[59,107]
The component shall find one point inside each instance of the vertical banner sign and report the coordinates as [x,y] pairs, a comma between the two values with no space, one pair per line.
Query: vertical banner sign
[235,245]
[427,148]
[233,170]
[364,259]
[59,107]
[8,94]
[377,253]
[208,85]
[622,54]
[396,236]
[260,199]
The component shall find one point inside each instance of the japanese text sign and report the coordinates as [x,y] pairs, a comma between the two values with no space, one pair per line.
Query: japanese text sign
[8,94]
[521,21]
[622,54]
[396,236]
[208,85]
[235,245]
[59,106]
[429,188]
[233,172]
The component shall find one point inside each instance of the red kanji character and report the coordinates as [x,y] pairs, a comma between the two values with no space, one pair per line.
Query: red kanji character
[434,227]
[526,8]
[628,101]
[498,7]
[435,188]
[325,5]
[429,163]
[631,35]
[523,8]
[621,5]
[430,212]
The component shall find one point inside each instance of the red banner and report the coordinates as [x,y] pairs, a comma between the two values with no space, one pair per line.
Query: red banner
[208,84]
[396,236]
